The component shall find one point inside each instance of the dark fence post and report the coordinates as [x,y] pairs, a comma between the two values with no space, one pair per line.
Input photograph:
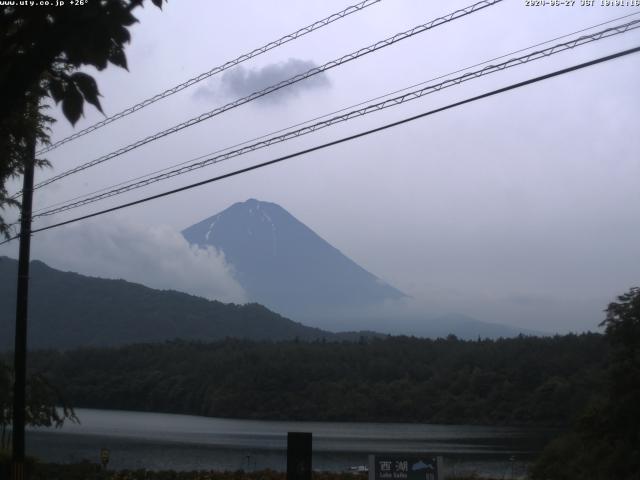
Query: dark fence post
[299,455]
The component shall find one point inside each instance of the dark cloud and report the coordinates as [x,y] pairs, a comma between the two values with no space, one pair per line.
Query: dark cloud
[242,81]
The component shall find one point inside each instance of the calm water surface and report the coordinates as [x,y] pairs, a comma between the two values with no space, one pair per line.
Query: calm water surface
[159,441]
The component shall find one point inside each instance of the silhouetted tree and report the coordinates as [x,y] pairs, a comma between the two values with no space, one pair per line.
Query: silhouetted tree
[41,50]
[45,405]
[605,442]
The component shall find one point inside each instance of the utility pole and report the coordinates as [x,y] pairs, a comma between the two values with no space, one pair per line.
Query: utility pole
[20,349]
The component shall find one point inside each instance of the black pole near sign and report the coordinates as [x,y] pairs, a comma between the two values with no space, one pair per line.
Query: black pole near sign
[299,455]
[20,349]
[405,467]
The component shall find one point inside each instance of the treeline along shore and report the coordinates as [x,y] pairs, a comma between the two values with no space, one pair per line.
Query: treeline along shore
[519,381]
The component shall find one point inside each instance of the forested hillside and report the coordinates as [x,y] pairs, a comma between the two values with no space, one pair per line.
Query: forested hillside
[67,310]
[526,380]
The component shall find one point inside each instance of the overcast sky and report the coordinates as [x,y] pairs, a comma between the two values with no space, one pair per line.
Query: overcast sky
[521,209]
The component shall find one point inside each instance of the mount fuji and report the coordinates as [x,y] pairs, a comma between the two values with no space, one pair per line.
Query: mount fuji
[286,266]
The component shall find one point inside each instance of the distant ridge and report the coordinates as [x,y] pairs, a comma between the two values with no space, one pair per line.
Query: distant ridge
[285,265]
[68,310]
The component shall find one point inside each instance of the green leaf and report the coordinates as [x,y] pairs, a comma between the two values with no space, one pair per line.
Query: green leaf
[88,87]
[157,3]
[72,104]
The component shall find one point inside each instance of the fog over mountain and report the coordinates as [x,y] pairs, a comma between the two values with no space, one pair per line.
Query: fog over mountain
[251,254]
[156,256]
[283,264]
[68,310]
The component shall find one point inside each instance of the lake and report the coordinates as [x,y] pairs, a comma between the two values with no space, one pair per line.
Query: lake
[158,441]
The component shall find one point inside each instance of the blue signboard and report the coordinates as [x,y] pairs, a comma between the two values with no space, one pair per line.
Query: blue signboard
[405,467]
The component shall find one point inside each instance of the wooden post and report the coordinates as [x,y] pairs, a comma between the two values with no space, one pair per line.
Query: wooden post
[20,349]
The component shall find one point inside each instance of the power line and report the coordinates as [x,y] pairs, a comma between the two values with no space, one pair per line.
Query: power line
[297,78]
[611,31]
[95,192]
[513,86]
[203,76]
[413,95]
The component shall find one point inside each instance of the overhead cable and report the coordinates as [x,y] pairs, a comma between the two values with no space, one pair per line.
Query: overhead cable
[344,109]
[220,68]
[297,78]
[398,100]
[514,86]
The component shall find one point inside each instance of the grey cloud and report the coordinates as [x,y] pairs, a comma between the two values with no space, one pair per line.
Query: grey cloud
[242,81]
[527,300]
[158,257]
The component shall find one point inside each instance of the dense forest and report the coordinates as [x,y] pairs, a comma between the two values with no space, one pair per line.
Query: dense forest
[520,381]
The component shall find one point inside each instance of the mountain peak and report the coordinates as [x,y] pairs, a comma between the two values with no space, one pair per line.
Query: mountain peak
[254,207]
[285,265]
[253,203]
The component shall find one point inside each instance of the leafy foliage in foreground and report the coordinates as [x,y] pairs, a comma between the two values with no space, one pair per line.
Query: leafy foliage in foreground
[45,407]
[521,381]
[605,441]
[42,47]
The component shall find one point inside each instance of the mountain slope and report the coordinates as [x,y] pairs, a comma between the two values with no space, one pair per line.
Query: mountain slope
[283,264]
[68,310]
